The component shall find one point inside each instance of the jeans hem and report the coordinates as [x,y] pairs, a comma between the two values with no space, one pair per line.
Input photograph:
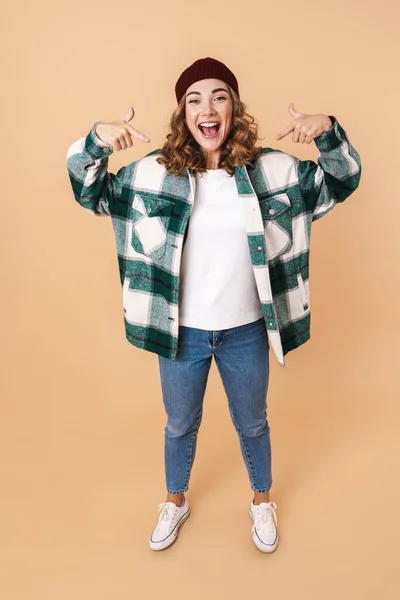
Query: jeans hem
[262,490]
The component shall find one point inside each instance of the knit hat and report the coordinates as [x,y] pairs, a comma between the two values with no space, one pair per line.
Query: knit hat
[205,68]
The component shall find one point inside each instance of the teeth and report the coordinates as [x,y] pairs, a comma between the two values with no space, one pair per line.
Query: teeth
[208,124]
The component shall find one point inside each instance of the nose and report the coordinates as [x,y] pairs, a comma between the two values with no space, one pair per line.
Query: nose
[208,108]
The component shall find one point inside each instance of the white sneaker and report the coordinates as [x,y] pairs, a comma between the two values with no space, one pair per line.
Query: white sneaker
[169,521]
[264,531]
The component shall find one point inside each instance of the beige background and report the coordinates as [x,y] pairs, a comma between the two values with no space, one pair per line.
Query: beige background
[82,422]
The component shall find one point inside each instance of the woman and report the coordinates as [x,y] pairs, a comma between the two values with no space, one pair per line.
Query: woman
[231,284]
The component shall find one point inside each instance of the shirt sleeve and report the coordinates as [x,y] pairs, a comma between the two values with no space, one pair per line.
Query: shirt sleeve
[94,188]
[334,177]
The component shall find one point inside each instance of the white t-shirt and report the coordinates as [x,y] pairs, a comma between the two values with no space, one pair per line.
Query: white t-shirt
[217,284]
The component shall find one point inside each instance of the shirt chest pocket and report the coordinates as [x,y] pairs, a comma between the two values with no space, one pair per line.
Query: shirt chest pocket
[151,215]
[277,218]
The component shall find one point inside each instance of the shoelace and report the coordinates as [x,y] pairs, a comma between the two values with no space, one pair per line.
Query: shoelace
[167,511]
[265,515]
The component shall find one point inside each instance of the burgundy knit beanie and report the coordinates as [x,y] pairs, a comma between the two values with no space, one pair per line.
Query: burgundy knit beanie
[205,68]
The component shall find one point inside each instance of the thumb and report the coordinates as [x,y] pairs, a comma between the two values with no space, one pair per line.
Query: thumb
[295,114]
[129,115]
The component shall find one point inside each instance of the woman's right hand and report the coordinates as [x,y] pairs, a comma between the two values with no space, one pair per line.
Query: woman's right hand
[119,134]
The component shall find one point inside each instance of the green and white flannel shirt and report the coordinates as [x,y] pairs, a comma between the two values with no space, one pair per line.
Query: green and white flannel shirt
[150,209]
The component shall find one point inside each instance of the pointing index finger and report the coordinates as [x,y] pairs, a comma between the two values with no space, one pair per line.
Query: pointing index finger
[285,131]
[137,134]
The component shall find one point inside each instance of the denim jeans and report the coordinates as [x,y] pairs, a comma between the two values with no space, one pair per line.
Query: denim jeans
[242,357]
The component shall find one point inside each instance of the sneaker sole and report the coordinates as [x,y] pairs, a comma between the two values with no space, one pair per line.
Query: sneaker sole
[170,539]
[261,545]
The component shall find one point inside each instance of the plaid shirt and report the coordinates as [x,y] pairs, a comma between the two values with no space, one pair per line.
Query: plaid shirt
[150,211]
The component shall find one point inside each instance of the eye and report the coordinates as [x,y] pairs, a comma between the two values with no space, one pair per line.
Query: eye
[216,98]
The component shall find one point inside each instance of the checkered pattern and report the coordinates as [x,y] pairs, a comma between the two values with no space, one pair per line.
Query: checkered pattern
[150,210]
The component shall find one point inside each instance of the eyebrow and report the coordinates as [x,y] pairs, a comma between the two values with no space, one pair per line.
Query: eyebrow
[213,91]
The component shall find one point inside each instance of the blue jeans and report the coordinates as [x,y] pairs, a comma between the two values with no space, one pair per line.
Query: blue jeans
[242,357]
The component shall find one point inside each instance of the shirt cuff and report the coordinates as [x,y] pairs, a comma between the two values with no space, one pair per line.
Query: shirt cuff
[95,146]
[332,137]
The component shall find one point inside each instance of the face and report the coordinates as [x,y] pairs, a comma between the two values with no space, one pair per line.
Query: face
[208,101]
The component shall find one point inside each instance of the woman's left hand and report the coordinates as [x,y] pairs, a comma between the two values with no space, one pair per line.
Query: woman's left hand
[305,127]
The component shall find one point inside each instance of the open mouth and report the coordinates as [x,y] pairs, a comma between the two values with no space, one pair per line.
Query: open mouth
[209,130]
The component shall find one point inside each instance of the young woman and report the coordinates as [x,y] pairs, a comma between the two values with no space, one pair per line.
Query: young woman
[230,285]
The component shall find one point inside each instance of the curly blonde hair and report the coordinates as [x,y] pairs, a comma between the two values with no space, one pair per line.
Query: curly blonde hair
[181,151]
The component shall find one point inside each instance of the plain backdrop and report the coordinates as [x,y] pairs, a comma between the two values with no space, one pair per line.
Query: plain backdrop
[82,420]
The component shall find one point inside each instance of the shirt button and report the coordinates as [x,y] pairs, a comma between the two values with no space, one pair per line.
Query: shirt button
[272,211]
[259,247]
[149,209]
[106,149]
[270,324]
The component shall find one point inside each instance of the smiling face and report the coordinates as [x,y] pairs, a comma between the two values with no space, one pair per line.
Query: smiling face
[208,112]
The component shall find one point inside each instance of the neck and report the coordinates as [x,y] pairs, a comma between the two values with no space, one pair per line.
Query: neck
[212,160]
